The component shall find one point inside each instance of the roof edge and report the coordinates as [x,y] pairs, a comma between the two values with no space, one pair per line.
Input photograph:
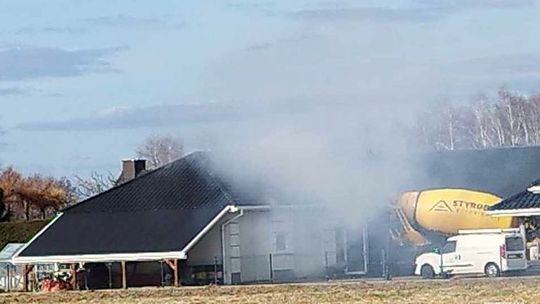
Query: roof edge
[514,212]
[58,216]
[94,258]
[209,226]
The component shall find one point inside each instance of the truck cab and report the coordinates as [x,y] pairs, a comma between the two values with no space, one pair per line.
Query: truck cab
[487,251]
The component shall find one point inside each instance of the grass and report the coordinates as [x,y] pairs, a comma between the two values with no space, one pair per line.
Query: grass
[486,291]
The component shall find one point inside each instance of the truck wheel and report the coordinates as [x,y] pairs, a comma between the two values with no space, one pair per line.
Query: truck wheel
[492,270]
[427,272]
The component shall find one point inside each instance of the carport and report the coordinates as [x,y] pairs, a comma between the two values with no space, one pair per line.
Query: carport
[525,207]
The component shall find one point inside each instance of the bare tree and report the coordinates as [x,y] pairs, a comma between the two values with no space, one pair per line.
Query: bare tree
[510,119]
[94,184]
[34,196]
[160,150]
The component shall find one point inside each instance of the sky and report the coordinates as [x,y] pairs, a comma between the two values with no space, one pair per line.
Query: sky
[83,83]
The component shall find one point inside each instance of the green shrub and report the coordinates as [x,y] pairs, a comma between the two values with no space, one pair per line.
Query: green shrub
[19,232]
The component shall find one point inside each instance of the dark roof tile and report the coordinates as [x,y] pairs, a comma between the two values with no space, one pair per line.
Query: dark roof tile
[522,200]
[161,210]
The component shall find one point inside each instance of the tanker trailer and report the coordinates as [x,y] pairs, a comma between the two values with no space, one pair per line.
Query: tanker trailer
[428,215]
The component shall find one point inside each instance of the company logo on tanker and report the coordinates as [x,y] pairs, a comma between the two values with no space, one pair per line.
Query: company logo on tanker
[457,205]
[441,206]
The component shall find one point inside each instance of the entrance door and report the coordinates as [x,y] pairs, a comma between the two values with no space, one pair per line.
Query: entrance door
[356,251]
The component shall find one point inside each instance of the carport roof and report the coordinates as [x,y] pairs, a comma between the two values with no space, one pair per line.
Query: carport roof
[162,211]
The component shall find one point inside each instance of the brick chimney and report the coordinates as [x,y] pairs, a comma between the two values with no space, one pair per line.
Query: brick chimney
[131,168]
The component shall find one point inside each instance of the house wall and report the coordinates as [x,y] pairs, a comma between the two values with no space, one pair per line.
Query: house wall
[207,249]
[281,244]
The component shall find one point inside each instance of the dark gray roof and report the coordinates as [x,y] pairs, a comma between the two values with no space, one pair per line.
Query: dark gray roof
[522,200]
[159,211]
[502,171]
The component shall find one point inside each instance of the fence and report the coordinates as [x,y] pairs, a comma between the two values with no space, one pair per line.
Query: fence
[10,277]
[283,267]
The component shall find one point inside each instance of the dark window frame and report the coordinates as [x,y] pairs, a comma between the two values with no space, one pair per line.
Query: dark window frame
[511,246]
[449,247]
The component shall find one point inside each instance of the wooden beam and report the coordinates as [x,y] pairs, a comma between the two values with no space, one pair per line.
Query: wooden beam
[25,277]
[176,273]
[124,275]
[171,264]
[73,272]
[26,271]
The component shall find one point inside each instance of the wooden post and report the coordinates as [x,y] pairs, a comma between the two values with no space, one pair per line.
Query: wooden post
[8,277]
[124,275]
[176,273]
[25,277]
[73,272]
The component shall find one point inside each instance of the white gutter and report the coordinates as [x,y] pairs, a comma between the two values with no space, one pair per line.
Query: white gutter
[100,258]
[223,253]
[515,212]
[254,208]
[227,209]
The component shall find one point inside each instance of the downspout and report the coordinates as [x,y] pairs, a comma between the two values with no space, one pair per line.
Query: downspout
[522,229]
[223,259]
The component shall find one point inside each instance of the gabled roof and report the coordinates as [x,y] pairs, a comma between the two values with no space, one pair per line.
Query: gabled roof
[159,211]
[525,203]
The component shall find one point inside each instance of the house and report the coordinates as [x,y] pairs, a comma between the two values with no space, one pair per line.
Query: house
[185,223]
[525,207]
[525,203]
[189,223]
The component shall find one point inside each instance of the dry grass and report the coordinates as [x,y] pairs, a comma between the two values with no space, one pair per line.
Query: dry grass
[515,290]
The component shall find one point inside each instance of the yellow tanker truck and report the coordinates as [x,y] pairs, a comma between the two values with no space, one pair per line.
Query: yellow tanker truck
[444,212]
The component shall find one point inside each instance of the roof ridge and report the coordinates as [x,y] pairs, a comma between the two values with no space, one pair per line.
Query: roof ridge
[214,179]
[142,176]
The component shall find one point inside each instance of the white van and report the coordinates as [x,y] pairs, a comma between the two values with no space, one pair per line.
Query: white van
[488,251]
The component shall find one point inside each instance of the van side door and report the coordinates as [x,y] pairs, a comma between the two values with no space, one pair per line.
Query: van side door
[449,255]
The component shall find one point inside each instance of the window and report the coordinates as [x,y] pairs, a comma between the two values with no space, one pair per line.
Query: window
[280,241]
[449,247]
[514,244]
[340,245]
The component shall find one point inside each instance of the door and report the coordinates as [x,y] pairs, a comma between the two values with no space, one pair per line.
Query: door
[513,251]
[456,261]
[356,251]
[449,257]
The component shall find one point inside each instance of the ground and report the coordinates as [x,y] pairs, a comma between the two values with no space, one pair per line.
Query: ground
[488,291]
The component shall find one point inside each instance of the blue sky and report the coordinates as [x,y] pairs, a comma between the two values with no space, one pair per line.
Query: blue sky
[82,83]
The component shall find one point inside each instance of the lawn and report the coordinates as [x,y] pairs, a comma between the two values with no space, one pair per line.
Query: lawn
[508,290]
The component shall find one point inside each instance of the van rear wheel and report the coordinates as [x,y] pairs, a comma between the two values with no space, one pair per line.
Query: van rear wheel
[492,270]
[427,272]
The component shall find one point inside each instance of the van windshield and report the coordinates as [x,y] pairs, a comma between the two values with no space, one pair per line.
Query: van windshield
[514,244]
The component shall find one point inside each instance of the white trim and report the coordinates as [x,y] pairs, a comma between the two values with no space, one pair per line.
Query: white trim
[89,258]
[213,222]
[278,206]
[36,236]
[534,189]
[253,208]
[515,212]
[488,231]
